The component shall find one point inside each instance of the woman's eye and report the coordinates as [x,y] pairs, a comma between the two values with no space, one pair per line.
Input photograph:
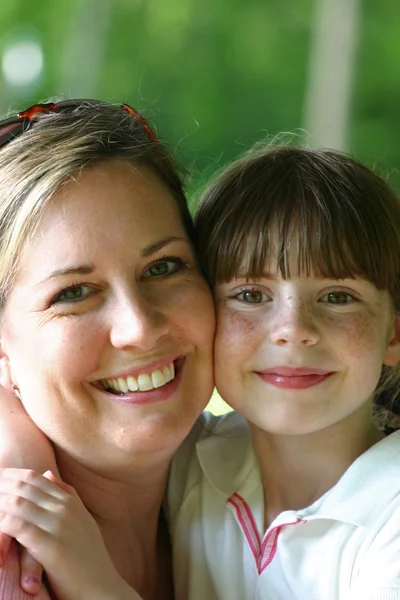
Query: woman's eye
[338,298]
[164,267]
[73,294]
[251,296]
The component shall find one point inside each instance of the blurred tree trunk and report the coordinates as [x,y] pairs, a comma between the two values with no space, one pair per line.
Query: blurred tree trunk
[84,53]
[331,72]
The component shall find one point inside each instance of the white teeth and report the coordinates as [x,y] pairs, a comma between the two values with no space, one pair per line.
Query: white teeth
[158,379]
[123,386]
[144,382]
[132,383]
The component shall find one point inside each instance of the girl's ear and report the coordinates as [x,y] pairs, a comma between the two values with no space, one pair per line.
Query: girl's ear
[392,357]
[5,370]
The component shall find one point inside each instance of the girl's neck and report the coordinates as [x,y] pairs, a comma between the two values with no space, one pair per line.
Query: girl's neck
[296,470]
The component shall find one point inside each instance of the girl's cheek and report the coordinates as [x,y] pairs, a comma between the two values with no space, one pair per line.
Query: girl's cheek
[235,331]
[361,335]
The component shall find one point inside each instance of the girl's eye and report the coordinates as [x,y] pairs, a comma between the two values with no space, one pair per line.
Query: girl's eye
[164,267]
[73,294]
[252,296]
[338,298]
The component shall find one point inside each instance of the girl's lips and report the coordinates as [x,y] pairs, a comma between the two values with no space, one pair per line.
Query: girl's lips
[295,379]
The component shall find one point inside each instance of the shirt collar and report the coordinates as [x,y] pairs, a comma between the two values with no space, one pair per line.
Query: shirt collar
[227,458]
[359,497]
[368,485]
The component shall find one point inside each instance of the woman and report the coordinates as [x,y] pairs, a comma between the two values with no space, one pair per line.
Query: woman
[107,322]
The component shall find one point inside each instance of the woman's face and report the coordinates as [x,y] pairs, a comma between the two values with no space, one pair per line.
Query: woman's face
[108,329]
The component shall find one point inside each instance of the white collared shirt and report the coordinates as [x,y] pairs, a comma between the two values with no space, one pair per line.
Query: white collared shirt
[345,546]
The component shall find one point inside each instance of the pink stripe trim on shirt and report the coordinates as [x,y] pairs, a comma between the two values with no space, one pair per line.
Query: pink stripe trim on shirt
[263,554]
[248,525]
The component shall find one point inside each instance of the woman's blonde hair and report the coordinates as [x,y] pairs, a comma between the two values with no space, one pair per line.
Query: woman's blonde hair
[37,163]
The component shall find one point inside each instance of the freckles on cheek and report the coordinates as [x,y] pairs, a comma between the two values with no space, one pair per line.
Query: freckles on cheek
[361,336]
[235,331]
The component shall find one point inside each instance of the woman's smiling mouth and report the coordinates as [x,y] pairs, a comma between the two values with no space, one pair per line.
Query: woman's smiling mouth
[142,383]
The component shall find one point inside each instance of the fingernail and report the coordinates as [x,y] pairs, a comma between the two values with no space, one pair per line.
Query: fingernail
[31,580]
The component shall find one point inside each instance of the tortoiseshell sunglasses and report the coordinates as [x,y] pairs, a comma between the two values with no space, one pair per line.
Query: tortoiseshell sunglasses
[12,127]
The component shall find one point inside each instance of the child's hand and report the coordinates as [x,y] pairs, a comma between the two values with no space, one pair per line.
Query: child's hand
[30,570]
[10,578]
[22,445]
[48,518]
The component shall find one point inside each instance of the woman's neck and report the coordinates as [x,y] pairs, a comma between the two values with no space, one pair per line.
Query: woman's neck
[127,508]
[296,470]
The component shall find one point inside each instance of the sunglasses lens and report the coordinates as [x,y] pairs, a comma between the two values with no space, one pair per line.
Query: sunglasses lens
[9,131]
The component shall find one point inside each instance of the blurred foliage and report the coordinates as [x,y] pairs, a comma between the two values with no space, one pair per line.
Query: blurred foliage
[213,75]
[217,406]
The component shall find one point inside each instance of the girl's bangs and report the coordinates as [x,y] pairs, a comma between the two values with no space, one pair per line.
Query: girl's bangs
[330,242]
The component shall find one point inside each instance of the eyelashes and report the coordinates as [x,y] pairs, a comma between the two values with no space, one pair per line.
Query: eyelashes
[72,294]
[165,266]
[160,269]
[252,296]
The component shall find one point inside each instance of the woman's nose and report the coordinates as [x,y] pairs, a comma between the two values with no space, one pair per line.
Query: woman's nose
[137,322]
[295,325]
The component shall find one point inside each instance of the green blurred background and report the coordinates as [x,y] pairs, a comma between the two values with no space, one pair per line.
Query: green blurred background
[214,76]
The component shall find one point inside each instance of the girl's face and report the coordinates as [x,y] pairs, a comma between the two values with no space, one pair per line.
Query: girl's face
[296,356]
[108,329]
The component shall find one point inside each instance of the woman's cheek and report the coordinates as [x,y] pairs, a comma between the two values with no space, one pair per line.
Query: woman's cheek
[193,313]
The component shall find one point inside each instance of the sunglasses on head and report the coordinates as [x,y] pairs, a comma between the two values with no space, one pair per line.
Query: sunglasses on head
[12,127]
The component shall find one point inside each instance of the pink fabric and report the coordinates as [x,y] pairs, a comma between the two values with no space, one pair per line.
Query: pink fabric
[10,588]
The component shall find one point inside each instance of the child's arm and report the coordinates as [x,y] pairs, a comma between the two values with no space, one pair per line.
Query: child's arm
[23,445]
[48,518]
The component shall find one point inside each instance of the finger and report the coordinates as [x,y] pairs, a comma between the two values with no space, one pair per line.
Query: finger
[31,573]
[71,491]
[61,484]
[5,542]
[28,531]
[26,483]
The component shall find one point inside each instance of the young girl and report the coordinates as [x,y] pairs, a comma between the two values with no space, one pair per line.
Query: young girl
[300,499]
[297,497]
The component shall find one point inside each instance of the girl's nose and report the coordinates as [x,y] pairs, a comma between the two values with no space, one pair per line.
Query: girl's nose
[295,325]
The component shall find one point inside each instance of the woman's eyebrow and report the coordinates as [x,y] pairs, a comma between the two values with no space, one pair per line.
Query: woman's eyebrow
[79,270]
[153,248]
[90,268]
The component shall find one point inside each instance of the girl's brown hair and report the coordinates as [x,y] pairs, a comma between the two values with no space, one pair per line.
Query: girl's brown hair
[343,217]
